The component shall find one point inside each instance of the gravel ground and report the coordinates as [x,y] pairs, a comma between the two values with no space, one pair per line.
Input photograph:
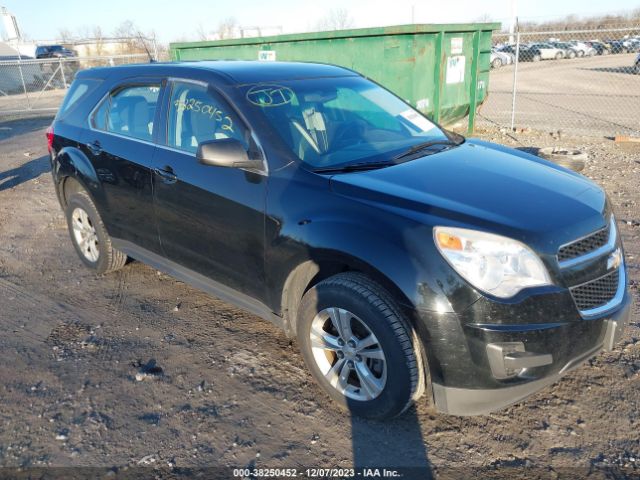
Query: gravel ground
[136,370]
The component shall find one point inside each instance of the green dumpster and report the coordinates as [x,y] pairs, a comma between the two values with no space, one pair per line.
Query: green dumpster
[442,70]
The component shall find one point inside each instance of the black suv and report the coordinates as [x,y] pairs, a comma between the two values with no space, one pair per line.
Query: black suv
[54,51]
[403,257]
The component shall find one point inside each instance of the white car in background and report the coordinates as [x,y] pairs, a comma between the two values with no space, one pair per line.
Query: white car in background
[499,59]
[582,49]
[547,51]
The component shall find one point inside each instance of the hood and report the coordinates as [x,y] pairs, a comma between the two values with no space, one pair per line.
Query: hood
[486,186]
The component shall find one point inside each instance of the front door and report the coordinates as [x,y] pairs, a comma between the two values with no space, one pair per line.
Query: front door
[210,219]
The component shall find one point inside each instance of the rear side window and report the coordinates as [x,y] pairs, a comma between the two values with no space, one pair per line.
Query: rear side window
[129,111]
[79,89]
[198,114]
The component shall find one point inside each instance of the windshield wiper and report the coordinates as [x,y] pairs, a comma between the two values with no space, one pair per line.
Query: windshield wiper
[355,167]
[423,146]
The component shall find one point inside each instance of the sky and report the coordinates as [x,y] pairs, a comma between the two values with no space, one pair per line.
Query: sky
[182,19]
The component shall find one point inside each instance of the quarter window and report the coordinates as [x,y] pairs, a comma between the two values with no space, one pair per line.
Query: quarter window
[129,111]
[197,114]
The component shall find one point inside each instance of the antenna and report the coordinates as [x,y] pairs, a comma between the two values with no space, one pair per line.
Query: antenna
[144,44]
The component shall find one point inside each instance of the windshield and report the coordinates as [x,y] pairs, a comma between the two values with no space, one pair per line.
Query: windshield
[328,122]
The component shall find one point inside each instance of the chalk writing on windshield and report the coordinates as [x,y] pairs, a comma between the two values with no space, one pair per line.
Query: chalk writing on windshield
[270,95]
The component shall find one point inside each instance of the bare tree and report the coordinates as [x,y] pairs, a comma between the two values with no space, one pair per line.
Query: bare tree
[65,35]
[338,19]
[134,40]
[484,18]
[201,33]
[99,40]
[227,28]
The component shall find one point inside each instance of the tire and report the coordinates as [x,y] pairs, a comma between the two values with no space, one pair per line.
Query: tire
[84,221]
[536,58]
[605,51]
[559,56]
[580,53]
[398,373]
[572,159]
[497,63]
[571,54]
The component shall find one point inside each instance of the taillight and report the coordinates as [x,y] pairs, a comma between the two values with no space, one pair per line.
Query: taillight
[49,134]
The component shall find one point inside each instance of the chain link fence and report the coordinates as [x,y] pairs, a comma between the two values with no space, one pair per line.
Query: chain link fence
[584,82]
[36,86]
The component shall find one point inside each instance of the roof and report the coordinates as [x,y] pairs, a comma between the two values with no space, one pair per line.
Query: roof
[234,71]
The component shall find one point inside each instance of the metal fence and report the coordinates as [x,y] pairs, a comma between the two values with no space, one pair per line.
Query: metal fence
[585,82]
[28,86]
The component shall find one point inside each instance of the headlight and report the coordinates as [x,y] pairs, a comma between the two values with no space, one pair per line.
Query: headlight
[494,264]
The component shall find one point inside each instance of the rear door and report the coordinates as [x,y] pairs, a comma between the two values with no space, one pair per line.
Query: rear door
[210,219]
[120,146]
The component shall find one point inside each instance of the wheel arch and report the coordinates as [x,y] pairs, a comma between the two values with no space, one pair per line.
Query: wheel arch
[310,272]
[73,171]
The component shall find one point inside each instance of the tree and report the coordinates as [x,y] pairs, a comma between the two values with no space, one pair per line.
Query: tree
[338,19]
[484,18]
[133,39]
[65,35]
[227,28]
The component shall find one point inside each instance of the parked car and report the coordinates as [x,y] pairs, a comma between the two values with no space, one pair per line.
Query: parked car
[582,49]
[617,46]
[54,51]
[632,45]
[547,51]
[499,59]
[568,49]
[601,48]
[403,257]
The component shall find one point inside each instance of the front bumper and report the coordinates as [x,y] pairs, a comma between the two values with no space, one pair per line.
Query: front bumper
[606,332]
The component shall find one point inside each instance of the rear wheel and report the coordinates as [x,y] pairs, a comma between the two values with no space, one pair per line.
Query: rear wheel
[359,346]
[497,63]
[536,58]
[558,55]
[89,235]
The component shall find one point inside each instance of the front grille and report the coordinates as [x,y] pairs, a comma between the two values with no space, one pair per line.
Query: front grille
[584,245]
[597,292]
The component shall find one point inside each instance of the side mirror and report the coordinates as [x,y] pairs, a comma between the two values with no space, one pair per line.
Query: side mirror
[227,152]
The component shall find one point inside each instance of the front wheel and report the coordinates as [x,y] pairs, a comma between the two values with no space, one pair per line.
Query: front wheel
[359,346]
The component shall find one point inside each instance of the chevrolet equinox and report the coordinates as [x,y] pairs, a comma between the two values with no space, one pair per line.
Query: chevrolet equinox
[403,257]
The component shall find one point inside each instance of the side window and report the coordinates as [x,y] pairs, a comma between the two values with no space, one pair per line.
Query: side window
[129,111]
[99,119]
[197,114]
[79,88]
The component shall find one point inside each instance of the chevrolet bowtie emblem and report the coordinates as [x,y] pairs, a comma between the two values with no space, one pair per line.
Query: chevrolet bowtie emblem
[615,259]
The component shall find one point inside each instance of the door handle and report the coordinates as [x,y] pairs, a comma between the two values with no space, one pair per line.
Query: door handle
[94,147]
[166,174]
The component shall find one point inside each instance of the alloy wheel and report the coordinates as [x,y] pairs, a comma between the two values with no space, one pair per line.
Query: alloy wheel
[348,354]
[85,234]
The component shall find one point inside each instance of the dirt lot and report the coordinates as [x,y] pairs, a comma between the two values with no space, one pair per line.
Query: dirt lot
[581,96]
[135,369]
